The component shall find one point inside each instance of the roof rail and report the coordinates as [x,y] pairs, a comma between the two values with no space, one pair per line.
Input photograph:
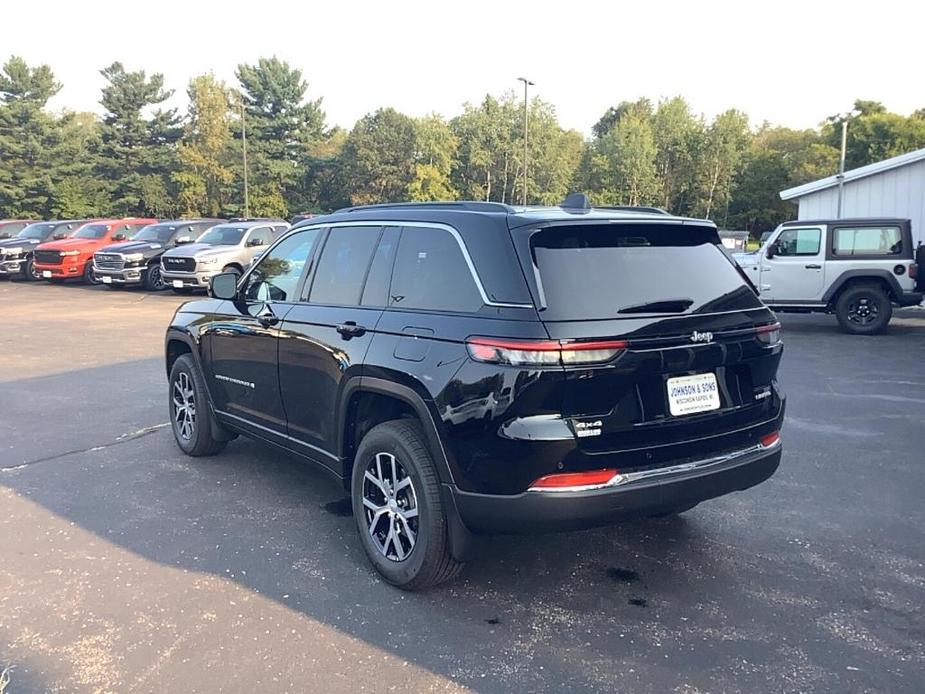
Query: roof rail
[634,208]
[467,205]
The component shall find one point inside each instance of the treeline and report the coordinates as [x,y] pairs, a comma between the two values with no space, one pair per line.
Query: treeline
[142,158]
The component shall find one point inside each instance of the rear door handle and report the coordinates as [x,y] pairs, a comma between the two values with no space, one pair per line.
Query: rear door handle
[350,329]
[813,267]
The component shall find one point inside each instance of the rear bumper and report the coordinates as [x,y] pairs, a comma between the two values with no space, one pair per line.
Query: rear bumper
[676,486]
[910,299]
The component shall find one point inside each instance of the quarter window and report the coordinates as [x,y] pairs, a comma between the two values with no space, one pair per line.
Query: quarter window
[431,273]
[799,242]
[867,241]
[343,265]
[276,276]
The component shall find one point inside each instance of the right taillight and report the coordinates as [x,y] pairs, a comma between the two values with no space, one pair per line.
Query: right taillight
[542,352]
[768,334]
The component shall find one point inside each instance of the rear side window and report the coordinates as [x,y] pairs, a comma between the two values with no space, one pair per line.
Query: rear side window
[343,265]
[431,273]
[799,242]
[599,272]
[850,241]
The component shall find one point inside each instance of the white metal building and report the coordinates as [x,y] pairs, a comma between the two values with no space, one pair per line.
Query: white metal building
[891,188]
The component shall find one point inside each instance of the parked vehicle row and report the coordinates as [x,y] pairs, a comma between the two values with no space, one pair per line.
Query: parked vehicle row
[182,254]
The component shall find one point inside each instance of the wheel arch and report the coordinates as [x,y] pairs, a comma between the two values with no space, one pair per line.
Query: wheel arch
[851,278]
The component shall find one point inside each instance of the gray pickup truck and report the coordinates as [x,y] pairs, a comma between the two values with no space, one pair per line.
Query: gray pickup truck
[857,269]
[224,248]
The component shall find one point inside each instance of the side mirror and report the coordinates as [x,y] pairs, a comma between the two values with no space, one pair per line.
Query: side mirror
[59,236]
[255,242]
[118,237]
[772,250]
[183,239]
[224,286]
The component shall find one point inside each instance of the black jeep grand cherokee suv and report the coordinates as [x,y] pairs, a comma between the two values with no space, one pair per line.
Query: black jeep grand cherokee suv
[475,368]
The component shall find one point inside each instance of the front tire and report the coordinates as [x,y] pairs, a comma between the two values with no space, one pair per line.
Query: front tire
[863,309]
[153,281]
[398,509]
[30,274]
[190,418]
[89,276]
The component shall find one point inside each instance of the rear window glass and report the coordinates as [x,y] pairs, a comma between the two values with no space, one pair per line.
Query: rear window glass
[867,241]
[431,273]
[600,272]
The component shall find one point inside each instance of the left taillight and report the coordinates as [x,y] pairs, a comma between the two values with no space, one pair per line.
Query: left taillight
[543,352]
[768,334]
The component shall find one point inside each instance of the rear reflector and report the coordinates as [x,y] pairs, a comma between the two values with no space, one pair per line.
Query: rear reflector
[769,440]
[574,479]
[542,352]
[769,334]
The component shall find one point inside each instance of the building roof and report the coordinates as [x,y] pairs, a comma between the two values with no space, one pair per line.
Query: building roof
[854,174]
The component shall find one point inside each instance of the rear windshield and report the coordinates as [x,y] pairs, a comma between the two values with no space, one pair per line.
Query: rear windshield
[223,235]
[598,272]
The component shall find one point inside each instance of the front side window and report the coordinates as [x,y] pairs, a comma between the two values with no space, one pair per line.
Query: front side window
[343,265]
[156,233]
[431,273]
[850,241]
[276,276]
[36,231]
[799,242]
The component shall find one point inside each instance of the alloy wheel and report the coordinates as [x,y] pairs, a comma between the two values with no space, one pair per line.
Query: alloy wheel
[863,311]
[156,279]
[390,505]
[184,406]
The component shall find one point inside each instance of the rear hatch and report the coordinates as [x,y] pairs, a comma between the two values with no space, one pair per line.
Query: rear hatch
[695,353]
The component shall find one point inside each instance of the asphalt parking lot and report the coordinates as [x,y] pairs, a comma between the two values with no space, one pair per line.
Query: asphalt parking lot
[126,566]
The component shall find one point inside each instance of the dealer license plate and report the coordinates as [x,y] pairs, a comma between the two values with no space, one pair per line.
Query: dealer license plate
[178,284]
[106,279]
[690,394]
[46,273]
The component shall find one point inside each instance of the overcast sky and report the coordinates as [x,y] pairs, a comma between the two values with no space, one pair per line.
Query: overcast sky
[791,63]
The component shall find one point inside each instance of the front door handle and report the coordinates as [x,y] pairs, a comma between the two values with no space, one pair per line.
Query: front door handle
[266,317]
[350,329]
[813,267]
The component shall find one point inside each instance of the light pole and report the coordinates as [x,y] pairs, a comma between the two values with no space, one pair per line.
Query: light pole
[527,83]
[841,160]
[244,150]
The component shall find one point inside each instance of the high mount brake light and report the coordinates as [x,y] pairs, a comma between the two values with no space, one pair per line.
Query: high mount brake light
[542,352]
[769,334]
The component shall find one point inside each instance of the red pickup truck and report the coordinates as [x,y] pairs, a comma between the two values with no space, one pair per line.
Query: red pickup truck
[73,257]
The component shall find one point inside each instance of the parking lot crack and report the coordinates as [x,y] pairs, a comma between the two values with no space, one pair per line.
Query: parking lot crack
[122,438]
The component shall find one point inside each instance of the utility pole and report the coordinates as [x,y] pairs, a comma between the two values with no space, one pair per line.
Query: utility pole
[527,83]
[244,148]
[841,165]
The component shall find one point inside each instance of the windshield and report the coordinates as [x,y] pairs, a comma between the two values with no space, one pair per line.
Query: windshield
[92,231]
[35,231]
[599,272]
[223,235]
[158,233]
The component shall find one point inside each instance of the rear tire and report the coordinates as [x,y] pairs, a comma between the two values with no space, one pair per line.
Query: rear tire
[863,309]
[398,508]
[190,415]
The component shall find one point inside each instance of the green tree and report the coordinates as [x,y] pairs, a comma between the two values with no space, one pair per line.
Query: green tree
[139,152]
[435,151]
[379,157]
[281,125]
[875,134]
[719,161]
[623,163]
[206,151]
[28,139]
[679,137]
[76,190]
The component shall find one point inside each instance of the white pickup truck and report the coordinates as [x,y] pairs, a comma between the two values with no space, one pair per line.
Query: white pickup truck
[857,269]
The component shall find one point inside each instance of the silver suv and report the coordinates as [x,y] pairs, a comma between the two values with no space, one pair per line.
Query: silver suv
[857,269]
[224,248]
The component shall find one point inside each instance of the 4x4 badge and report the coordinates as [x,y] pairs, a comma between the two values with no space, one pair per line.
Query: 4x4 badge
[701,337]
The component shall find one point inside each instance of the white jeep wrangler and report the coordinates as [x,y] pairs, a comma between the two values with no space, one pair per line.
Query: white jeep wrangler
[857,269]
